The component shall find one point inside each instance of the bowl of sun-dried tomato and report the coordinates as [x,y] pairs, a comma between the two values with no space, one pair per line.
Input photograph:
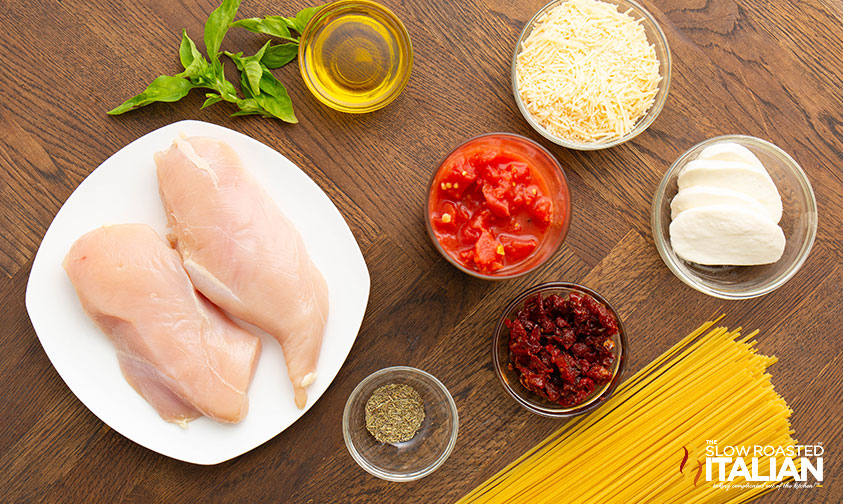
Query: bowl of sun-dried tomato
[559,349]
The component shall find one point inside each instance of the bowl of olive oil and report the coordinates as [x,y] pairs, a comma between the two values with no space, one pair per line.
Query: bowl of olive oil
[355,56]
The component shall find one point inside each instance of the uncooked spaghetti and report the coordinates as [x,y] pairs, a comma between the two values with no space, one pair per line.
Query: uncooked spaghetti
[647,443]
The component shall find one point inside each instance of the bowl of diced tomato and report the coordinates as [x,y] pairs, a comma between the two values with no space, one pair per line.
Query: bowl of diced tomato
[498,206]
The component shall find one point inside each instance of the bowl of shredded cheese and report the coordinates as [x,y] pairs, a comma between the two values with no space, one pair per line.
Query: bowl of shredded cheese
[591,74]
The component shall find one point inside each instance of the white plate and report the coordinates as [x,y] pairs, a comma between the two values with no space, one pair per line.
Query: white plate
[125,189]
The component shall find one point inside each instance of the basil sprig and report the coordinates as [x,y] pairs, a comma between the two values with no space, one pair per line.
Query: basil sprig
[263,94]
[279,26]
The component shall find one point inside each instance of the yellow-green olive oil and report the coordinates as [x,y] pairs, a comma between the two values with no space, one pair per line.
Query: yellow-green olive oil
[358,59]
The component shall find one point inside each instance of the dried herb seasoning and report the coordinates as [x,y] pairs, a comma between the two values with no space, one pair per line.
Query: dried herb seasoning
[394,413]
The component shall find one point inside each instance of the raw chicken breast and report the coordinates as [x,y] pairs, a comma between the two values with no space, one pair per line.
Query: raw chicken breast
[242,252]
[176,349]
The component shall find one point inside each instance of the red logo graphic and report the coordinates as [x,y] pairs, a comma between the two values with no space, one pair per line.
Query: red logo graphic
[685,461]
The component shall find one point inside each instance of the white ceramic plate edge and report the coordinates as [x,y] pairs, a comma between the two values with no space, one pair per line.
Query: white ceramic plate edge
[204,442]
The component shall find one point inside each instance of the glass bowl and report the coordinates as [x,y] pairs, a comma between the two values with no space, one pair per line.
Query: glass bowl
[541,160]
[364,43]
[655,36]
[412,459]
[510,379]
[799,223]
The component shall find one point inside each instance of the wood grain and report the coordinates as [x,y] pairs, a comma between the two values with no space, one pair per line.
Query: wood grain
[769,69]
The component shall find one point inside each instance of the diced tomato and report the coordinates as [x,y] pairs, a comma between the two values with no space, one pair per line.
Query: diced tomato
[517,249]
[529,194]
[469,235]
[542,210]
[495,200]
[497,206]
[490,268]
[478,223]
[447,219]
[520,170]
[458,179]
[464,172]
[485,159]
[486,248]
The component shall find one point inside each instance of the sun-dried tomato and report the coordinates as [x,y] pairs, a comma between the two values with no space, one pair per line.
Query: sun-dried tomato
[563,347]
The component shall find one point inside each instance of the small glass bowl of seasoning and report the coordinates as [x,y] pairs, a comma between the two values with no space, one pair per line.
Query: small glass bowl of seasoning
[355,56]
[400,423]
[562,358]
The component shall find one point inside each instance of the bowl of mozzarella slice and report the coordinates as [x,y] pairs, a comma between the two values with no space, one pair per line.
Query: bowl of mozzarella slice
[734,217]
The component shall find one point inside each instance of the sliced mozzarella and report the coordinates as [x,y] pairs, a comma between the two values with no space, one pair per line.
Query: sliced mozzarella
[730,151]
[697,196]
[726,235]
[735,176]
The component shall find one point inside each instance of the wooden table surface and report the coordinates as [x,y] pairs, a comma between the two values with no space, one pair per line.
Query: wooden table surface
[768,69]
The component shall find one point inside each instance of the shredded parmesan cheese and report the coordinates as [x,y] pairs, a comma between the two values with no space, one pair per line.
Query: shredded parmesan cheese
[586,72]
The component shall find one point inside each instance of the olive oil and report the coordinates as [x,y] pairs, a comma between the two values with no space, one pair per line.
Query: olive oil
[356,56]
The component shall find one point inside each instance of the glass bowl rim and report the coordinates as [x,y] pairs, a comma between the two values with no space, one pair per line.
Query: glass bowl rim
[641,126]
[561,412]
[661,240]
[564,229]
[306,39]
[392,475]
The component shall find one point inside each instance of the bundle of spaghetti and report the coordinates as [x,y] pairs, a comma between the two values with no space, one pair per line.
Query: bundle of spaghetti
[648,442]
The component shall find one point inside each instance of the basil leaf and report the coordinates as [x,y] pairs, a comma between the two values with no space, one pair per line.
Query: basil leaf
[217,26]
[277,107]
[245,86]
[299,22]
[270,85]
[195,65]
[165,88]
[290,22]
[186,50]
[279,55]
[216,80]
[275,26]
[303,17]
[274,98]
[259,55]
[251,68]
[211,98]
[248,107]
[263,93]
[270,99]
[253,72]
